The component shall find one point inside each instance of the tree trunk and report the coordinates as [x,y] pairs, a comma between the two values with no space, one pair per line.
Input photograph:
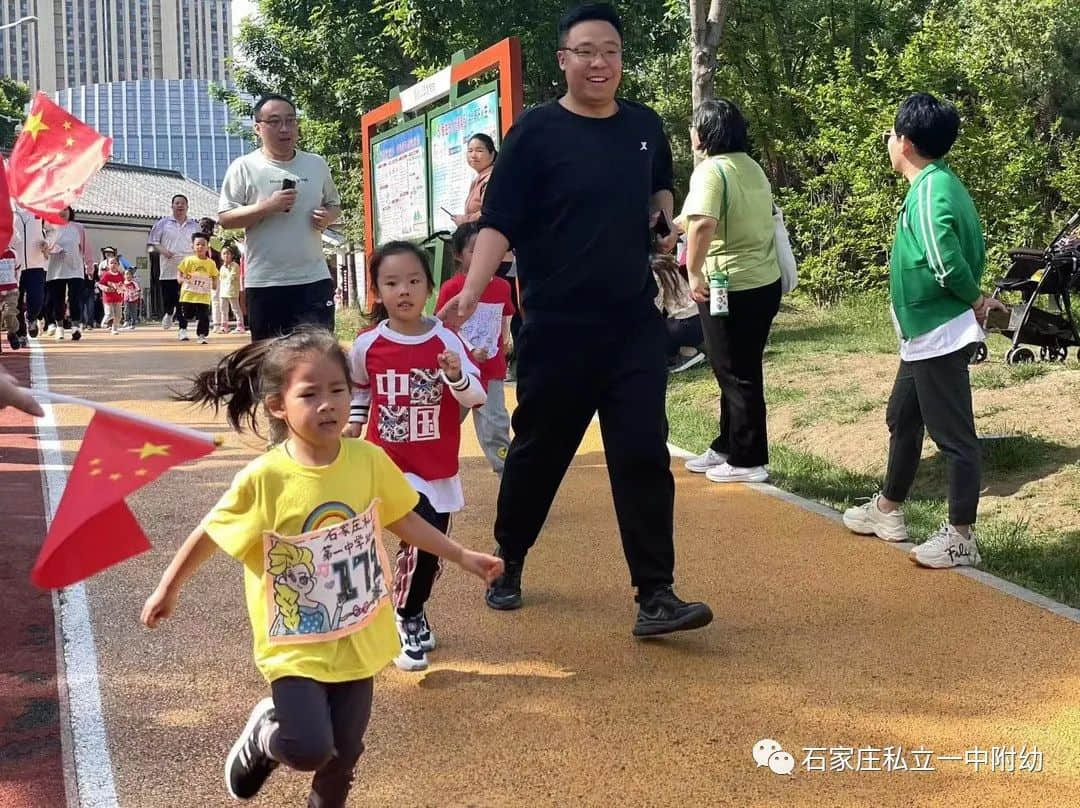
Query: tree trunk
[707,18]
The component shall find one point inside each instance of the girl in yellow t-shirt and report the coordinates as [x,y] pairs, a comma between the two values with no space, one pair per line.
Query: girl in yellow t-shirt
[304,519]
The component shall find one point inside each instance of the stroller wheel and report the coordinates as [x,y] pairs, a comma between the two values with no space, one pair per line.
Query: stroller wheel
[980,354]
[1019,356]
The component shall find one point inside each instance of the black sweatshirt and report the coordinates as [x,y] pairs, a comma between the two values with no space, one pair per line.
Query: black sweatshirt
[571,194]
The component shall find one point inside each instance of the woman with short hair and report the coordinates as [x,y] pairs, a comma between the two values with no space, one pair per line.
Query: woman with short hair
[728,221]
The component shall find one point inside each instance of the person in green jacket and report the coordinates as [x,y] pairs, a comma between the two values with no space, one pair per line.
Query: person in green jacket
[938,309]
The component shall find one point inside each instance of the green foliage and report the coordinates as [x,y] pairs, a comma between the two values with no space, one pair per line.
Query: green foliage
[13,100]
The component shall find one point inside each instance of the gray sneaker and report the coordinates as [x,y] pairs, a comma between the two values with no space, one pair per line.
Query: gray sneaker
[946,548]
[869,520]
[702,463]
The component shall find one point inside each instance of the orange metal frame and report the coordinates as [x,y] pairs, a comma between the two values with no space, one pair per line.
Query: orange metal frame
[504,55]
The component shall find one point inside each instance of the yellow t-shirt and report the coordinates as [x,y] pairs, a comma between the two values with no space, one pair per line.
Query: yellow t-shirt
[316,577]
[197,278]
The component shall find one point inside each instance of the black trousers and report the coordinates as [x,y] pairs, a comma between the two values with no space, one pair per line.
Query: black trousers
[31,297]
[935,393]
[321,729]
[622,377]
[417,570]
[65,299]
[170,301]
[736,348]
[277,310]
[200,312]
[684,333]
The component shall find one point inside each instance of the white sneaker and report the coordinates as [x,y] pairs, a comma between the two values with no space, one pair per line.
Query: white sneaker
[58,333]
[166,322]
[426,635]
[869,520]
[105,321]
[203,340]
[947,548]
[114,331]
[182,335]
[413,657]
[726,473]
[702,463]
[52,329]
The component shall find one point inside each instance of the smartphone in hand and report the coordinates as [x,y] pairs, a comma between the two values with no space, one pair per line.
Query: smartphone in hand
[288,184]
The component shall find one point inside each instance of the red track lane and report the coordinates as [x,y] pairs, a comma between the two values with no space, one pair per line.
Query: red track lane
[31,773]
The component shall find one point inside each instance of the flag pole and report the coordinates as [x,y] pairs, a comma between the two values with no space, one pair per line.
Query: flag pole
[60,398]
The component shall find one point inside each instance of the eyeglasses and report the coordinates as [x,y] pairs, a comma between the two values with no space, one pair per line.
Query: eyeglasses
[887,136]
[276,122]
[589,54]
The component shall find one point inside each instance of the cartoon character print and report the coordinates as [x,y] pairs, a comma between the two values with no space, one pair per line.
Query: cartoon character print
[425,387]
[293,569]
[393,423]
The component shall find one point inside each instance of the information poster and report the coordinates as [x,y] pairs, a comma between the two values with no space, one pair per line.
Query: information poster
[400,179]
[450,171]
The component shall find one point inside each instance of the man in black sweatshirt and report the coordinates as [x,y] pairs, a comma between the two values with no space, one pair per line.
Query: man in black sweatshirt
[574,190]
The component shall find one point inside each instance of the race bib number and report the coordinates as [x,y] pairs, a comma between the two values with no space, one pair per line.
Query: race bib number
[7,271]
[327,583]
[198,284]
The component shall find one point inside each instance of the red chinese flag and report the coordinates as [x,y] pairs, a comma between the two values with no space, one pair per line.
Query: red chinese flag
[54,157]
[93,528]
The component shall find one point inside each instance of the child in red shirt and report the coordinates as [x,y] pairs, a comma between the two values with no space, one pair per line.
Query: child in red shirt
[487,336]
[111,284]
[132,298]
[412,376]
[9,297]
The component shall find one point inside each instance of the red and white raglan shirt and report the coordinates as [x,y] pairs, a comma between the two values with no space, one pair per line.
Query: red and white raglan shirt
[484,328]
[412,411]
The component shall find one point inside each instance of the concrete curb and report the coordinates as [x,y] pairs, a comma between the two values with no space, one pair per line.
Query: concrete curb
[985,578]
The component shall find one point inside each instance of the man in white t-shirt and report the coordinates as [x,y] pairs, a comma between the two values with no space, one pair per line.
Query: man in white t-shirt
[170,238]
[283,198]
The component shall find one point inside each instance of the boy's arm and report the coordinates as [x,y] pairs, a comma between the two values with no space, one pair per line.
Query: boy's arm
[504,338]
[937,224]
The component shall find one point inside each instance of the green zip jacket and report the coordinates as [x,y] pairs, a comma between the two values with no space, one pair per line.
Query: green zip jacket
[938,255]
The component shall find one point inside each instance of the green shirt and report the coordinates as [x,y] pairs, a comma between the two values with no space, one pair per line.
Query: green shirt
[938,255]
[743,246]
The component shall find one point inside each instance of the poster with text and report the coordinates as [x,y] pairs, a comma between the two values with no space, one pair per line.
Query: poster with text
[399,174]
[450,171]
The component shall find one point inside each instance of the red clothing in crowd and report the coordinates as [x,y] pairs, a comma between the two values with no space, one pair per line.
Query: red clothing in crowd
[112,286]
[495,303]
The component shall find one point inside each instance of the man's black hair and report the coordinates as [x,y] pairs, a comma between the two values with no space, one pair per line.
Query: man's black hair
[266,99]
[931,125]
[603,12]
[178,196]
[721,127]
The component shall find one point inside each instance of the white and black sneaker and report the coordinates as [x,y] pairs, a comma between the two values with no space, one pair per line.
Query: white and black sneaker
[248,764]
[947,547]
[413,657]
[182,335]
[166,322]
[426,635]
[76,334]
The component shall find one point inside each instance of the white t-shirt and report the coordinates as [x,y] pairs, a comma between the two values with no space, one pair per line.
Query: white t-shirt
[957,333]
[26,238]
[169,234]
[284,249]
[65,257]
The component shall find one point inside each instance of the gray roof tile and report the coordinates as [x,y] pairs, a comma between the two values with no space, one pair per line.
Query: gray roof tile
[133,191]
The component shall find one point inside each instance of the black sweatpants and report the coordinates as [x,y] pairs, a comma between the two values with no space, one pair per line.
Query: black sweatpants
[170,301]
[65,299]
[568,372]
[200,312]
[417,570]
[276,310]
[31,297]
[321,728]
[683,333]
[935,393]
[736,347]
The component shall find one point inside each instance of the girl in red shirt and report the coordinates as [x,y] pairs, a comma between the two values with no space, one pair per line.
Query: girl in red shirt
[111,284]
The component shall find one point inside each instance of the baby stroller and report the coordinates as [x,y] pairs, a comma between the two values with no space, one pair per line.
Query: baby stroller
[1047,276]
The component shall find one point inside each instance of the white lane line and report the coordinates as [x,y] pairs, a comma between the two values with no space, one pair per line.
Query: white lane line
[983,577]
[88,774]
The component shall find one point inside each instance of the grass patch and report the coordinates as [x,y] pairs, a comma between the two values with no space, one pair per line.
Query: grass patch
[346,323]
[998,377]
[860,324]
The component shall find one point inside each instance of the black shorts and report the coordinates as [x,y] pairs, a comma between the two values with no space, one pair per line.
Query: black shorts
[276,310]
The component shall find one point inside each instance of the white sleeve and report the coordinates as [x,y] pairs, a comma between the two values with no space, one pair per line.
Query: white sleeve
[468,390]
[235,190]
[361,399]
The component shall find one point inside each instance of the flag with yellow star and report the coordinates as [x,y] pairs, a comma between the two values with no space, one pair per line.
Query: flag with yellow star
[54,157]
[93,527]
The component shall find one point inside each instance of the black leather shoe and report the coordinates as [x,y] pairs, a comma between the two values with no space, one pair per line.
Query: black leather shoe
[504,594]
[661,612]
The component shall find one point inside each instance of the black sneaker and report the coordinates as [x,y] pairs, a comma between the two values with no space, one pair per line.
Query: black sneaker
[248,766]
[76,334]
[32,330]
[13,340]
[504,594]
[661,612]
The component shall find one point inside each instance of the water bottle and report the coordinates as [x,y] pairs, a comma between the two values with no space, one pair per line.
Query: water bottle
[718,297]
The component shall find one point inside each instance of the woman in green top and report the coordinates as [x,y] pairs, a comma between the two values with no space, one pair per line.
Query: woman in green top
[728,221]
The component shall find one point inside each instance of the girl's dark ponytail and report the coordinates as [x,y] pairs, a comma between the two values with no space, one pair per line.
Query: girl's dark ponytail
[234,381]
